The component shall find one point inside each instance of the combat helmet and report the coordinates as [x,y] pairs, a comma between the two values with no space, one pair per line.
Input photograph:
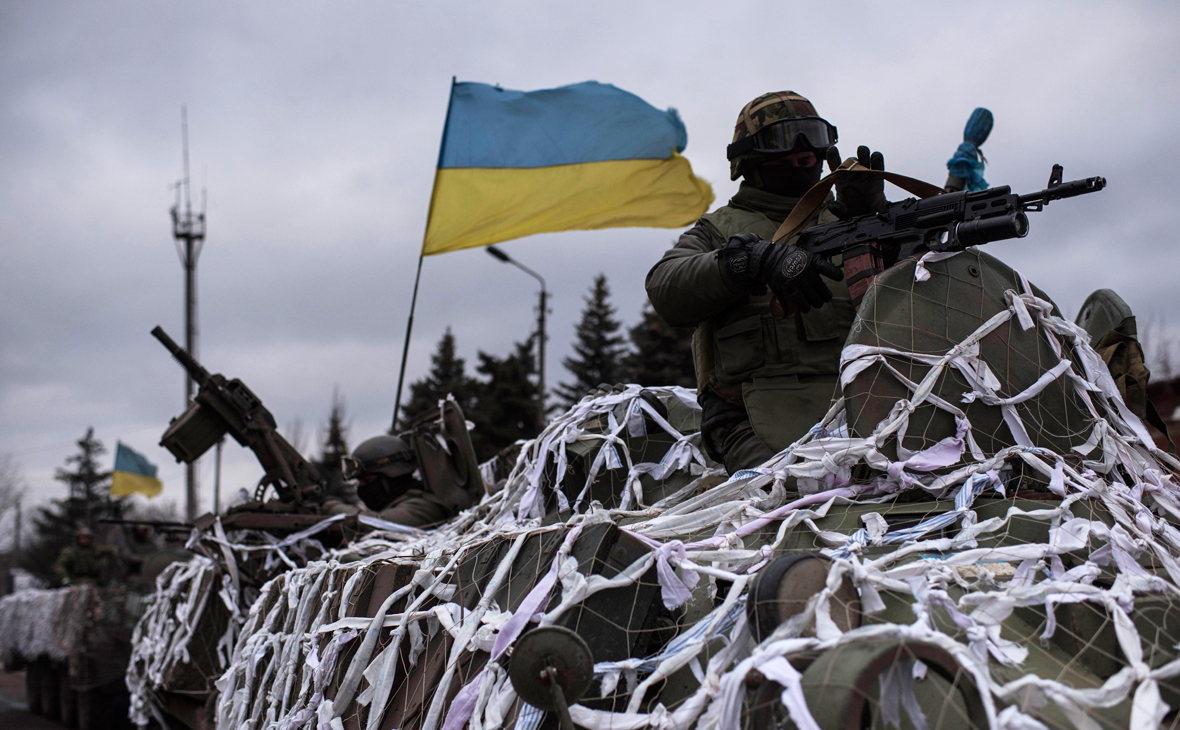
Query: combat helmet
[772,124]
[388,455]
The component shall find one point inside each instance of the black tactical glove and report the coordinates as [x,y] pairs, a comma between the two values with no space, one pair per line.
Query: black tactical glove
[858,194]
[750,264]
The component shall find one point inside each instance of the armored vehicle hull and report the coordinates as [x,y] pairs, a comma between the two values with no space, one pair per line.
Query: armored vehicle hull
[74,644]
[979,534]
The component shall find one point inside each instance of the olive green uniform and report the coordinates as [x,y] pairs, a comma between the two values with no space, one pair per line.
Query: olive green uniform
[762,382]
[77,564]
[415,508]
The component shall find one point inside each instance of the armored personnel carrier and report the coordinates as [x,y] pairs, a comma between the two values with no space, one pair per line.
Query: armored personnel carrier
[980,533]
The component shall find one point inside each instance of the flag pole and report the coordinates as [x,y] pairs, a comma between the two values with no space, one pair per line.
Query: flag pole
[401,377]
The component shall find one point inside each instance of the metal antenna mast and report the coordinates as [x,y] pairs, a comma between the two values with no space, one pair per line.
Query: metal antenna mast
[189,231]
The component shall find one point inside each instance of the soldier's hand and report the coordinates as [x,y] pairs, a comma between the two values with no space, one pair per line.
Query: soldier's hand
[857,193]
[740,260]
[791,273]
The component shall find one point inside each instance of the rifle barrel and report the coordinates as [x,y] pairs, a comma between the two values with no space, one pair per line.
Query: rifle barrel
[150,523]
[1065,190]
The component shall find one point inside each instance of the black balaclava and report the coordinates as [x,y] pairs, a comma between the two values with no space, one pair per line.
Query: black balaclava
[789,182]
[378,493]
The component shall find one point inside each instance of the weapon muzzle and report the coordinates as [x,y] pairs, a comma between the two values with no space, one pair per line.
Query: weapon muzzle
[985,230]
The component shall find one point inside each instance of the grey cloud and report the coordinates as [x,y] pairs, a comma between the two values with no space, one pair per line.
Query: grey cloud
[317,128]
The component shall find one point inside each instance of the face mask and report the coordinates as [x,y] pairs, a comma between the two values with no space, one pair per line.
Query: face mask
[375,493]
[378,492]
[789,182]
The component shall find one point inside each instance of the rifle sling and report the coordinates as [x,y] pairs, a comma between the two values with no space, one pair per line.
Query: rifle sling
[811,201]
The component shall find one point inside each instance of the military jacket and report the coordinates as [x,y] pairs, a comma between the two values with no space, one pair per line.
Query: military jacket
[90,564]
[782,370]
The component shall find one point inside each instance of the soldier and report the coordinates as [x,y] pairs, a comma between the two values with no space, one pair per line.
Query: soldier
[82,562]
[134,551]
[762,381]
[383,468]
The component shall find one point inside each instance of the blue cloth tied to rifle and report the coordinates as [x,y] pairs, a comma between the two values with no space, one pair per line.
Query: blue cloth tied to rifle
[968,161]
[967,165]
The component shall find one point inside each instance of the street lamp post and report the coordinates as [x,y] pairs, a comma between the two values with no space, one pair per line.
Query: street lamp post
[543,305]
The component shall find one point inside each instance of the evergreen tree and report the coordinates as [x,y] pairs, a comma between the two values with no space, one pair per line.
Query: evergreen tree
[333,445]
[598,349]
[506,408]
[88,501]
[447,375]
[662,354]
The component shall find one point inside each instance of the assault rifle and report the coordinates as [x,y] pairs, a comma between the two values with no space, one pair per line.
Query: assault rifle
[227,406]
[949,222]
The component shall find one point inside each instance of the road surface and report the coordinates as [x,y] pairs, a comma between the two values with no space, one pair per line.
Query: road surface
[14,714]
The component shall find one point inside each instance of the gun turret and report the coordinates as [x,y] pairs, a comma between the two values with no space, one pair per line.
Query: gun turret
[227,406]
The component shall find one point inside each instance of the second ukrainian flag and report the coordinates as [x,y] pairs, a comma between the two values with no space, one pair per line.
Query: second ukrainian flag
[578,157]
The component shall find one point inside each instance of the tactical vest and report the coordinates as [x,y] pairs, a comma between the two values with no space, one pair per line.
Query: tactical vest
[783,371]
[745,341]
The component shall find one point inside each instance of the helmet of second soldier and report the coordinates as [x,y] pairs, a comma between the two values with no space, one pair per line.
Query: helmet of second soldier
[388,455]
[775,124]
[383,467]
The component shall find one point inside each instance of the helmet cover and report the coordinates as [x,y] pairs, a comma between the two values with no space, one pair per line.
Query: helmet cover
[762,111]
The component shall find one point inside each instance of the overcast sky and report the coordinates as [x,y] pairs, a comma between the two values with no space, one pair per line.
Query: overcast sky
[315,128]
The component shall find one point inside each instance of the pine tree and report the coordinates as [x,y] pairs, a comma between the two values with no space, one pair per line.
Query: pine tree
[447,375]
[662,354]
[506,408]
[88,501]
[333,445]
[598,349]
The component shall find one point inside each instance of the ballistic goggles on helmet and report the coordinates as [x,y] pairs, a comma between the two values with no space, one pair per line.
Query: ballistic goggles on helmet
[352,467]
[783,136]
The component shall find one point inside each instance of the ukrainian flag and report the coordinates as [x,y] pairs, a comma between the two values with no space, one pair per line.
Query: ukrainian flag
[578,157]
[133,474]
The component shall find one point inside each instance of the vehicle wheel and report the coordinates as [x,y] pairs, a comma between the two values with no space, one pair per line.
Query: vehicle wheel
[843,685]
[33,687]
[50,691]
[68,697]
[92,710]
[785,586]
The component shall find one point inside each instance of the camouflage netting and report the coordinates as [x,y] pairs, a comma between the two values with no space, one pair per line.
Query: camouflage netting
[1013,586]
[186,635]
[49,623]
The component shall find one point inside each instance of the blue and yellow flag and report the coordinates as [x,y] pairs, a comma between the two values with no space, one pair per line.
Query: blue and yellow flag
[578,157]
[133,474]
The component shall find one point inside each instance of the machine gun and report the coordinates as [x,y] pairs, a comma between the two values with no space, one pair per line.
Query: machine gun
[951,222]
[227,406]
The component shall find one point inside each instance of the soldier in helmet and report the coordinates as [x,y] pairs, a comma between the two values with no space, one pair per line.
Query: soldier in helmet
[83,562]
[763,381]
[383,468]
